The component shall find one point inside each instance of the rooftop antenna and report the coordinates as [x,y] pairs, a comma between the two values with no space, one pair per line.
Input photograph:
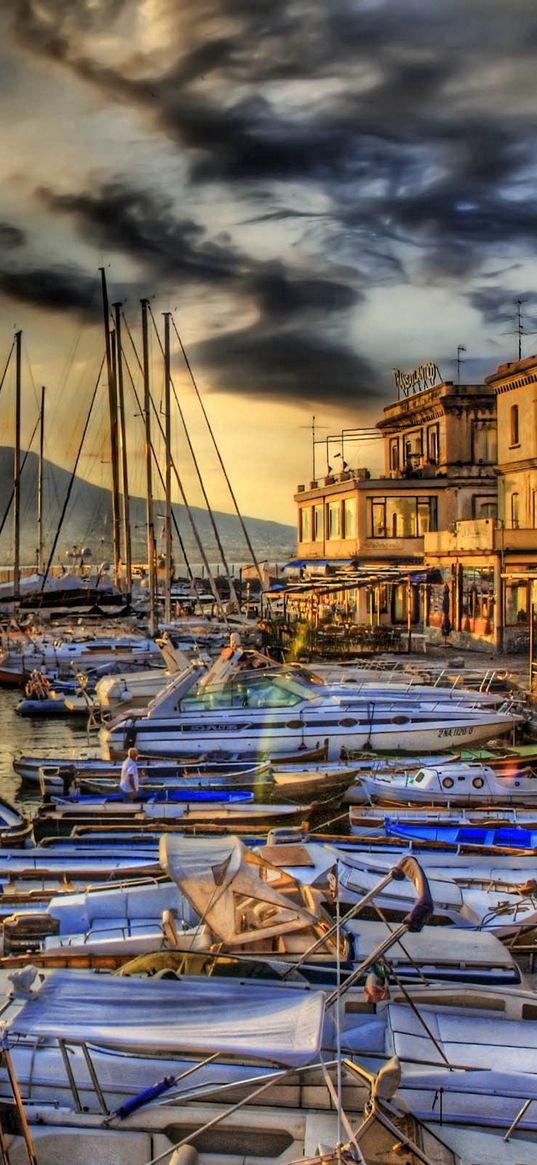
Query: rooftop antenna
[520,329]
[460,348]
[313,429]
[520,325]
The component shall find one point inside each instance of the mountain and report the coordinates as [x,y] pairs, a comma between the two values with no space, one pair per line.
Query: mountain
[88,522]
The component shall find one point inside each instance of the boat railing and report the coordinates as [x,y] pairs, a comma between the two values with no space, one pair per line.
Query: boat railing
[520,1114]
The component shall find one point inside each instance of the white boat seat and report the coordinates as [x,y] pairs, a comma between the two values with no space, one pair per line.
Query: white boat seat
[104,932]
[81,912]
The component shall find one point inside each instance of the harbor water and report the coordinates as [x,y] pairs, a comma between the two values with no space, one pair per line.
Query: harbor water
[20,734]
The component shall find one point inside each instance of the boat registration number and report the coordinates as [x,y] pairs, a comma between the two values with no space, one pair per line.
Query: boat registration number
[456,732]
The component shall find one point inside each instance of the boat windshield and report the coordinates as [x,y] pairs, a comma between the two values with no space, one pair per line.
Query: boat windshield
[254,690]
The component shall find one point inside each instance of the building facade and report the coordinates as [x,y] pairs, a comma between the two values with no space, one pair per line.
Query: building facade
[445,540]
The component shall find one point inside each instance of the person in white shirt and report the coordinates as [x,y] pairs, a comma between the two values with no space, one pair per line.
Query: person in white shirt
[130,781]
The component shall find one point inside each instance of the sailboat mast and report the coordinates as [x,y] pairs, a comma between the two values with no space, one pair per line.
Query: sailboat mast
[168,472]
[123,451]
[150,524]
[17,472]
[40,539]
[112,404]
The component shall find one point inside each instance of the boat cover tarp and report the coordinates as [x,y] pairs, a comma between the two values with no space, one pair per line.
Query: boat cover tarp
[230,888]
[250,1020]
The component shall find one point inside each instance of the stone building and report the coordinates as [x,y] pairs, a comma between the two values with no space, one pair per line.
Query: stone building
[445,540]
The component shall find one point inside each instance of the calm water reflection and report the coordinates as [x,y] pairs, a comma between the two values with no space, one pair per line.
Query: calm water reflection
[21,735]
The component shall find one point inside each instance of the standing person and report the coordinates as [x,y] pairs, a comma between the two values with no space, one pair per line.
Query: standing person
[130,781]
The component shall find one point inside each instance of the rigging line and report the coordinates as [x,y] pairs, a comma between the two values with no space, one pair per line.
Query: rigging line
[218,454]
[179,484]
[195,460]
[159,471]
[199,544]
[4,374]
[12,494]
[71,482]
[139,403]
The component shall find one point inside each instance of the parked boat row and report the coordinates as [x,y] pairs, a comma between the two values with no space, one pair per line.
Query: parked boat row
[262,1009]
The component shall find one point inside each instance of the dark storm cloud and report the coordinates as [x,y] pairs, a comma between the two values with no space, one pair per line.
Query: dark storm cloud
[142,224]
[56,288]
[497,307]
[394,121]
[409,122]
[11,238]
[290,348]
[274,362]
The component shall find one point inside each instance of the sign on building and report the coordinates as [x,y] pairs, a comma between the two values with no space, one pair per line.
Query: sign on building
[417,380]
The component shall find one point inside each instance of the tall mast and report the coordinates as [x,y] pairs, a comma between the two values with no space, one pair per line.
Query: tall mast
[123,451]
[17,472]
[150,525]
[114,446]
[168,472]
[40,539]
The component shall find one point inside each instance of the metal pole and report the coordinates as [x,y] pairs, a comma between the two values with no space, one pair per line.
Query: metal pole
[150,525]
[40,540]
[123,451]
[112,404]
[17,473]
[167,472]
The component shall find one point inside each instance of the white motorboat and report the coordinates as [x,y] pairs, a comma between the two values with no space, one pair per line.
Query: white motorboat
[259,709]
[464,783]
[79,651]
[469,899]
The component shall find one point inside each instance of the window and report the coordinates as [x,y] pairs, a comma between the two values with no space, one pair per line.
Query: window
[394,455]
[378,518]
[515,511]
[484,443]
[349,517]
[305,524]
[477,594]
[514,428]
[433,444]
[318,523]
[484,507]
[334,519]
[516,603]
[402,517]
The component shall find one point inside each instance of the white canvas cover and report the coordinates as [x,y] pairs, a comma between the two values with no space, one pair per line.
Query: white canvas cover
[193,858]
[248,1020]
[228,886]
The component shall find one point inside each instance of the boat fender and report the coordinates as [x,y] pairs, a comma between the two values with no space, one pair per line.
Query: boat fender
[186,1155]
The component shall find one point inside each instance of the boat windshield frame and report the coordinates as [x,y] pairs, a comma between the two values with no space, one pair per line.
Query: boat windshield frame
[253,689]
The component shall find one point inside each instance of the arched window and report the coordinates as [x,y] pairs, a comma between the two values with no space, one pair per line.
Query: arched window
[515,434]
[515,511]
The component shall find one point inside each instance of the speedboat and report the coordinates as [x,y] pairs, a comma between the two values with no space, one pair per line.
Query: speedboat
[257,709]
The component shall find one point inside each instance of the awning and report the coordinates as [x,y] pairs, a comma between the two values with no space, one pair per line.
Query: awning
[300,563]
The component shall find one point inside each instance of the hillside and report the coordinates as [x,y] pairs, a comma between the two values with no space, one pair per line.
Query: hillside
[87,521]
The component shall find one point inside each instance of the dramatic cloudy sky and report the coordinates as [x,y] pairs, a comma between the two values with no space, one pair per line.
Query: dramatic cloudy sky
[320,190]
